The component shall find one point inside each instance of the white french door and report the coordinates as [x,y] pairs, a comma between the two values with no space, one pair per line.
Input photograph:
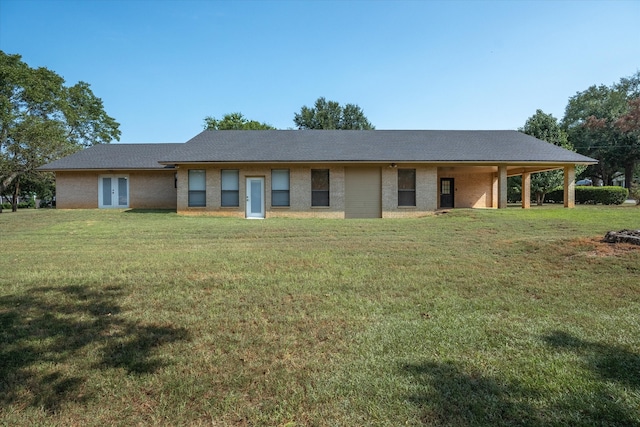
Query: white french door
[255,198]
[113,191]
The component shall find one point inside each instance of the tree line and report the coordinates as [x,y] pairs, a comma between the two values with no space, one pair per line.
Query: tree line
[601,122]
[323,115]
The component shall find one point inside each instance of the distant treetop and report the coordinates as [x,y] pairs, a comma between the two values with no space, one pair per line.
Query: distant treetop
[330,115]
[234,121]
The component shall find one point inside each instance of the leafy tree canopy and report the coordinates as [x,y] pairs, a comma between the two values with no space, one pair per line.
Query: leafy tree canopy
[331,115]
[234,121]
[545,127]
[42,119]
[602,122]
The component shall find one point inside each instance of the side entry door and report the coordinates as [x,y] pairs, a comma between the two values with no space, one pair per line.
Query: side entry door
[446,193]
[255,198]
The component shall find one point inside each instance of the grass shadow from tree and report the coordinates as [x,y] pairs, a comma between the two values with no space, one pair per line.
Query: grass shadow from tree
[44,333]
[452,395]
[609,362]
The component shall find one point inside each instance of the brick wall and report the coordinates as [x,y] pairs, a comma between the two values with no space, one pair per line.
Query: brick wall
[426,192]
[147,189]
[76,190]
[299,191]
[473,189]
[152,190]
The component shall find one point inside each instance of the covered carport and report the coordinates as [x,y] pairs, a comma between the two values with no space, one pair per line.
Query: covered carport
[505,171]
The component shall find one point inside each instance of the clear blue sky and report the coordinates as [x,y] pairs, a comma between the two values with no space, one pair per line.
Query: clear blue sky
[160,67]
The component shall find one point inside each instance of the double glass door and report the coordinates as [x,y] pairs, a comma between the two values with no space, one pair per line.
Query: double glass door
[113,191]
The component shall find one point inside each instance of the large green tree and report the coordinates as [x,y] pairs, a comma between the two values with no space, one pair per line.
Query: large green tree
[41,120]
[600,123]
[331,115]
[629,125]
[547,128]
[234,121]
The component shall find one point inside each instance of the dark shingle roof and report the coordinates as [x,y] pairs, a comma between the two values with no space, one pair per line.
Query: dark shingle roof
[324,146]
[114,156]
[374,146]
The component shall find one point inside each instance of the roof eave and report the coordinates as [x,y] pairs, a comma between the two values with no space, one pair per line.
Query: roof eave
[439,162]
[104,169]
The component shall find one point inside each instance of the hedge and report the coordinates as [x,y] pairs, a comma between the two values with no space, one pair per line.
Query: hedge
[22,205]
[591,195]
[556,195]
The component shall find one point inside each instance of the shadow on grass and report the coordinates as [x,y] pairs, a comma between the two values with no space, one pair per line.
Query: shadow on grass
[611,363]
[452,395]
[51,338]
[456,398]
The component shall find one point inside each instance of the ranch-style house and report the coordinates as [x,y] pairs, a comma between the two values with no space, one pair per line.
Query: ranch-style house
[312,173]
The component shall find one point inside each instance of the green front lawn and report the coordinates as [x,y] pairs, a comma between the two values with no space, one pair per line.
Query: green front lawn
[474,317]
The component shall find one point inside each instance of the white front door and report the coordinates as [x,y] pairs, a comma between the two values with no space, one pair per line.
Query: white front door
[113,191]
[255,198]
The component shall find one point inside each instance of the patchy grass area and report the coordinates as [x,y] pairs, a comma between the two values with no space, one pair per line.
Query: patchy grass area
[474,317]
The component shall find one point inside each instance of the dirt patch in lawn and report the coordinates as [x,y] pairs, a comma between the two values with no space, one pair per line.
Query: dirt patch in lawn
[600,248]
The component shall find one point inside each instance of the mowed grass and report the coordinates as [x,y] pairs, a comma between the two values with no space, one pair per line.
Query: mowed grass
[473,317]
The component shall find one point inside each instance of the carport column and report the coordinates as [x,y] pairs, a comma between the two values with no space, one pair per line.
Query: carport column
[502,187]
[526,190]
[569,186]
[494,191]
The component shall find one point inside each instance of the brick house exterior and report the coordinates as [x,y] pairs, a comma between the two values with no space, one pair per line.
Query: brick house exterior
[328,174]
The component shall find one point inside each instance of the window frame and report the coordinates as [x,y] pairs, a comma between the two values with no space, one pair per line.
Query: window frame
[192,200]
[229,191]
[320,197]
[280,191]
[406,194]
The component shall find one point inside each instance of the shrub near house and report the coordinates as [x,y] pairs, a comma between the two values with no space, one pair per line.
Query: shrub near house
[28,203]
[611,195]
